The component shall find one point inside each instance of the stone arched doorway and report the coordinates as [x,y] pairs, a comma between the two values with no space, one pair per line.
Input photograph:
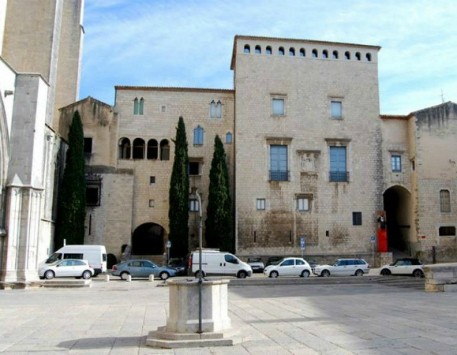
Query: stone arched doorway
[397,204]
[148,239]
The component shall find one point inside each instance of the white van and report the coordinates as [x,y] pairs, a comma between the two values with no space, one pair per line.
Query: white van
[94,254]
[215,262]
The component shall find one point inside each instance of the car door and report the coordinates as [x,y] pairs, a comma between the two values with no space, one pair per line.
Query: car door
[286,267]
[63,268]
[148,268]
[135,268]
[401,267]
[230,265]
[339,268]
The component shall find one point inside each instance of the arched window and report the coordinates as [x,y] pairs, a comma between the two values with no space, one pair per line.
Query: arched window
[292,52]
[124,148]
[228,138]
[268,50]
[281,51]
[153,149]
[324,53]
[198,135]
[258,50]
[138,106]
[247,49]
[215,109]
[357,55]
[368,56]
[445,201]
[138,148]
[302,52]
[141,107]
[314,53]
[164,150]
[335,55]
[347,55]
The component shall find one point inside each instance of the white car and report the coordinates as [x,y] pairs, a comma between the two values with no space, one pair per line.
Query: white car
[66,268]
[289,267]
[343,267]
[404,266]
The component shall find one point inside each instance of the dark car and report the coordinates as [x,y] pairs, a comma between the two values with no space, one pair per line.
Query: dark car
[404,266]
[256,264]
[179,265]
[273,260]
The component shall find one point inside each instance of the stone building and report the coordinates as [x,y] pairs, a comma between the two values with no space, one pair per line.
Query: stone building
[309,155]
[39,72]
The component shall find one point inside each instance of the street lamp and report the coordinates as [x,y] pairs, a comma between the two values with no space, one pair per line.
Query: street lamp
[200,281]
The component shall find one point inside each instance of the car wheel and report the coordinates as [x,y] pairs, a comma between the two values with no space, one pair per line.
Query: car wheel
[197,274]
[242,275]
[124,275]
[48,275]
[325,273]
[86,275]
[274,274]
[164,275]
[418,273]
[305,273]
[385,272]
[359,272]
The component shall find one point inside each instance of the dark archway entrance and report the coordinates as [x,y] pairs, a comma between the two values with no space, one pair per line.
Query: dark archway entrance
[397,204]
[147,239]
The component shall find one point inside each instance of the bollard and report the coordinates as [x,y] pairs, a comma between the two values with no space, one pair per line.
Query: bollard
[107,278]
[129,278]
[151,277]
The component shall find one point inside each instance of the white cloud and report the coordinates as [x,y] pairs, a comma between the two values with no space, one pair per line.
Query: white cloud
[189,43]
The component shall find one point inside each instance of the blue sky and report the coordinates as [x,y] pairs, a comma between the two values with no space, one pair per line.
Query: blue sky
[188,43]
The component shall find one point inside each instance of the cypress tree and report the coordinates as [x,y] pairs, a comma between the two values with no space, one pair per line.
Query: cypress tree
[218,231]
[72,194]
[178,213]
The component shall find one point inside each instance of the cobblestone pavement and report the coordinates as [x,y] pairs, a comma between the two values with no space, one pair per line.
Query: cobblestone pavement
[115,317]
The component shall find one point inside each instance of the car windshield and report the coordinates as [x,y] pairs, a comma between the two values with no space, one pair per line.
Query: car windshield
[53,258]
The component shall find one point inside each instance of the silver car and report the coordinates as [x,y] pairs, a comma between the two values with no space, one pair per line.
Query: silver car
[343,267]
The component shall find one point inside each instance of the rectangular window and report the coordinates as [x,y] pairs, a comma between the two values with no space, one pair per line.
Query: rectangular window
[93,195]
[152,180]
[336,108]
[395,161]
[194,168]
[151,203]
[260,204]
[193,205]
[445,201]
[278,163]
[302,204]
[356,218]
[447,231]
[278,107]
[198,136]
[338,169]
[87,145]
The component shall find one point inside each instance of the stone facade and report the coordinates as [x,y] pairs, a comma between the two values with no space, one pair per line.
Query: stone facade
[39,67]
[328,101]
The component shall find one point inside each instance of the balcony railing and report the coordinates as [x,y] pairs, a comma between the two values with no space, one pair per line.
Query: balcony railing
[339,176]
[279,175]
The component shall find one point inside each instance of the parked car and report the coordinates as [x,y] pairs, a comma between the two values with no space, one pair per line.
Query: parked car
[66,268]
[289,267]
[273,260]
[343,267]
[215,262]
[256,264]
[141,268]
[404,266]
[179,265]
